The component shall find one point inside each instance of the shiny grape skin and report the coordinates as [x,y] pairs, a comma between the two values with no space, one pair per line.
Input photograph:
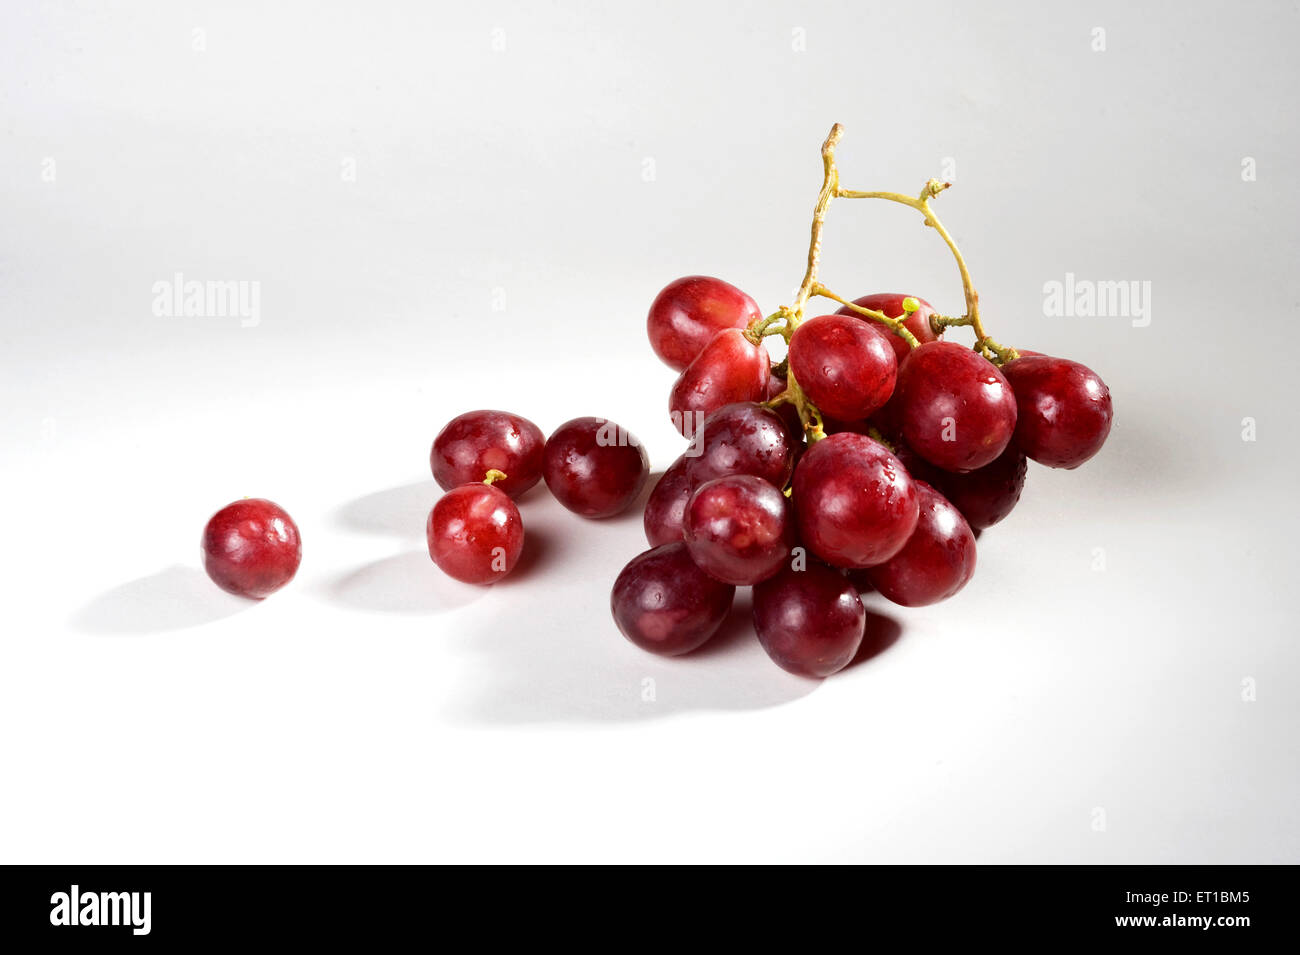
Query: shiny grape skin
[891,304]
[946,390]
[739,529]
[475,533]
[811,621]
[741,438]
[854,501]
[473,443]
[1065,410]
[690,311]
[666,507]
[937,560]
[594,467]
[730,368]
[663,603]
[844,365]
[251,548]
[988,494]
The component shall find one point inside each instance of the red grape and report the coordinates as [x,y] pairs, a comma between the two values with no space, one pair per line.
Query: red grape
[845,366]
[937,560]
[478,441]
[730,368]
[690,311]
[742,438]
[986,495]
[810,621]
[666,508]
[891,304]
[1064,410]
[957,410]
[475,533]
[594,467]
[854,501]
[665,604]
[738,529]
[251,548]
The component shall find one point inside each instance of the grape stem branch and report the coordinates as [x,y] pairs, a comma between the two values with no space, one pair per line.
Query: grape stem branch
[984,343]
[787,319]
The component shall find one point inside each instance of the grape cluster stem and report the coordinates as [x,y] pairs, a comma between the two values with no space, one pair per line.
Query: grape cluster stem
[785,320]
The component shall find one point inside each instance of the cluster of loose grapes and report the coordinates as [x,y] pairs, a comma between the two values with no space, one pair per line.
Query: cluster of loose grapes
[867,459]
[483,460]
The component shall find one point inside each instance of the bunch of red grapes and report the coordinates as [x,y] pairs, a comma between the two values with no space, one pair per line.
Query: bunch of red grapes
[909,452]
[868,459]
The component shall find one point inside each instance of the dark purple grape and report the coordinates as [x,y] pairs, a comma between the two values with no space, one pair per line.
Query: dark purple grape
[663,603]
[809,621]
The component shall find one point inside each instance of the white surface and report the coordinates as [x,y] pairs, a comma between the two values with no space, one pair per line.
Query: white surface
[377,711]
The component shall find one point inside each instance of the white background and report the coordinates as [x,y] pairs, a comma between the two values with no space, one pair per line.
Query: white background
[375,710]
